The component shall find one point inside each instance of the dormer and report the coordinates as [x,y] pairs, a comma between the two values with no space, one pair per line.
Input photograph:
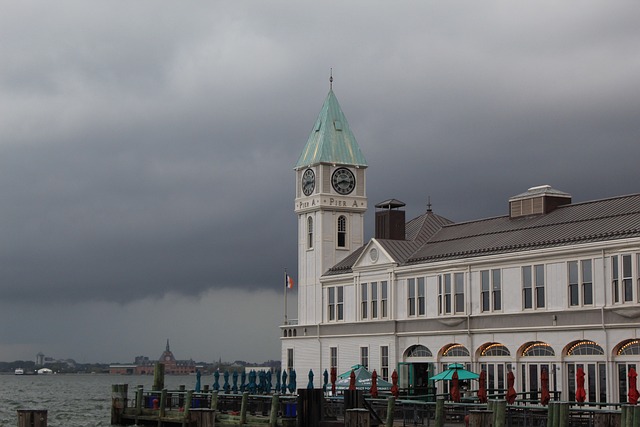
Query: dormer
[537,201]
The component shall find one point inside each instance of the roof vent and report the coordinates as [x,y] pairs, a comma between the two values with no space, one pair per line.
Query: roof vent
[537,201]
[390,220]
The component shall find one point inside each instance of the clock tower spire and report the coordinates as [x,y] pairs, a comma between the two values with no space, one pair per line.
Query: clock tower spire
[330,204]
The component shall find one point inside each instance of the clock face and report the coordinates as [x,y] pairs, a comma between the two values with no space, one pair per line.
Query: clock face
[308,182]
[343,181]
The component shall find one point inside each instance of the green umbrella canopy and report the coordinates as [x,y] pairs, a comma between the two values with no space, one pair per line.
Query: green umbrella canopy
[463,374]
[363,379]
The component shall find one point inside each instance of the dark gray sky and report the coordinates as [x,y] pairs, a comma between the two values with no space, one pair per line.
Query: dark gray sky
[146,148]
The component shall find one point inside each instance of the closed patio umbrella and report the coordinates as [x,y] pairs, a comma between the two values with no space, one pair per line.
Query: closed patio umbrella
[633,391]
[581,395]
[455,391]
[545,397]
[482,388]
[374,384]
[511,391]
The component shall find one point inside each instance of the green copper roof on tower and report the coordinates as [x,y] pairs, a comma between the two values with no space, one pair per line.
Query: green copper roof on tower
[331,140]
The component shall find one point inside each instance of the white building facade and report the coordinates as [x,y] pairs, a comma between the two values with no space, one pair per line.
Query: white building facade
[550,285]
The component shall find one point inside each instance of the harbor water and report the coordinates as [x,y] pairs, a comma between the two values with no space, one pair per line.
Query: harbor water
[73,400]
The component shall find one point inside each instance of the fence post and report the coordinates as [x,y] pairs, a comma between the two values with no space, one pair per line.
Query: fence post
[440,412]
[158,377]
[391,402]
[357,417]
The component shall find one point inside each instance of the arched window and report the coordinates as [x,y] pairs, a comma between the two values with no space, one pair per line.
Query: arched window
[419,351]
[495,349]
[585,348]
[310,233]
[455,350]
[538,349]
[342,231]
[630,348]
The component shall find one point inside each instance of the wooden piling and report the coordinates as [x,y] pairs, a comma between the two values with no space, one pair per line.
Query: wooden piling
[158,377]
[357,417]
[440,412]
[243,408]
[273,414]
[139,400]
[500,413]
[481,418]
[162,410]
[33,418]
[118,402]
[391,402]
[563,414]
[214,400]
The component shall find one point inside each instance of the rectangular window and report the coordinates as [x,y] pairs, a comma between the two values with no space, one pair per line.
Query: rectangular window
[340,304]
[497,289]
[289,360]
[622,278]
[364,357]
[331,306]
[421,297]
[485,292]
[533,295]
[384,362]
[527,295]
[374,300]
[574,286]
[333,359]
[491,290]
[451,293]
[539,273]
[459,292]
[411,300]
[615,278]
[587,282]
[447,294]
[363,298]
[627,279]
[384,299]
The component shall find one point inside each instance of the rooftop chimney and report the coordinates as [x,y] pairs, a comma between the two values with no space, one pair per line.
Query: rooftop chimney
[390,220]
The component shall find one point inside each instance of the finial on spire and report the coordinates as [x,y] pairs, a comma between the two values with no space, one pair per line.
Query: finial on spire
[330,78]
[428,203]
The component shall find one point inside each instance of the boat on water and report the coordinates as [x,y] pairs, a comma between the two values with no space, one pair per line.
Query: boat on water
[19,371]
[45,371]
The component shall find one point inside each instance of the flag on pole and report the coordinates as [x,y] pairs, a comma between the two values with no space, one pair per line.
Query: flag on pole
[288,281]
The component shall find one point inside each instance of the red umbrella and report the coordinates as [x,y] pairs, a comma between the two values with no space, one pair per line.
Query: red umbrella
[374,384]
[545,397]
[511,392]
[482,388]
[455,392]
[334,377]
[394,386]
[352,380]
[581,395]
[633,391]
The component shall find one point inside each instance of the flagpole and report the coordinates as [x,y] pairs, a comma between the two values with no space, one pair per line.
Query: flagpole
[285,296]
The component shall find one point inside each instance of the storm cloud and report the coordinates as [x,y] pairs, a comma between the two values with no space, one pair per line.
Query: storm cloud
[147,148]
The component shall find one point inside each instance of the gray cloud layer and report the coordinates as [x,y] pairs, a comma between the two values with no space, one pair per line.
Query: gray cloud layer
[146,149]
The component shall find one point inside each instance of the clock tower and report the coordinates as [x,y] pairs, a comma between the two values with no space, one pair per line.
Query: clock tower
[330,204]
